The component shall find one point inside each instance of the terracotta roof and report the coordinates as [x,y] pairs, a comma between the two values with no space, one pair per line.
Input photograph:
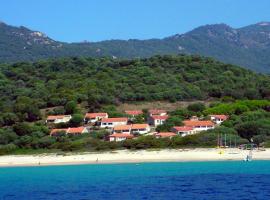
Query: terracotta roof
[94,115]
[156,112]
[139,126]
[183,128]
[160,117]
[165,134]
[57,130]
[119,119]
[223,117]
[122,127]
[76,130]
[198,123]
[54,117]
[133,112]
[122,135]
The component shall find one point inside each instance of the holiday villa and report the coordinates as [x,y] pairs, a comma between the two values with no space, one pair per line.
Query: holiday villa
[218,119]
[94,117]
[56,119]
[112,122]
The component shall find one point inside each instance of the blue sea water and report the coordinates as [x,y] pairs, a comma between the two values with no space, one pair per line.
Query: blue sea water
[184,180]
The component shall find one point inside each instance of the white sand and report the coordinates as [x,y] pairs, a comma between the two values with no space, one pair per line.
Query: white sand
[125,156]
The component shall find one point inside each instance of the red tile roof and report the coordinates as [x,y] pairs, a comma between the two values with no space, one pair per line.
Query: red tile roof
[156,112]
[94,115]
[133,112]
[183,128]
[223,117]
[164,117]
[76,130]
[165,134]
[122,127]
[119,119]
[54,117]
[198,123]
[122,135]
[139,126]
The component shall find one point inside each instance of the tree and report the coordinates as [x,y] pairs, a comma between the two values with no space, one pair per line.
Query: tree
[196,107]
[10,119]
[71,107]
[22,129]
[76,120]
[250,129]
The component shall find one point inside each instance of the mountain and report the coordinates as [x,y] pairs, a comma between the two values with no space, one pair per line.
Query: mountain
[247,46]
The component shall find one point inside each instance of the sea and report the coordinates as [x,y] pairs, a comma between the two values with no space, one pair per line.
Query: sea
[176,180]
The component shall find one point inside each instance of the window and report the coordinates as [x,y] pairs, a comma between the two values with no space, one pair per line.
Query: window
[110,123]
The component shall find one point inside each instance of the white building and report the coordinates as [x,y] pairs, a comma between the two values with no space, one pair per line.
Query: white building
[183,130]
[94,117]
[218,119]
[112,122]
[157,112]
[198,125]
[118,137]
[156,120]
[56,119]
[132,129]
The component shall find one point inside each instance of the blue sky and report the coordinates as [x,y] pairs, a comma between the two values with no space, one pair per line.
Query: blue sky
[95,20]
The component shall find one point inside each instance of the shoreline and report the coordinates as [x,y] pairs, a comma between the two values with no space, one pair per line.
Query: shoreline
[127,156]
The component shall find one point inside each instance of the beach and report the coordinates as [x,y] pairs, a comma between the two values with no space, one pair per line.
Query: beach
[127,156]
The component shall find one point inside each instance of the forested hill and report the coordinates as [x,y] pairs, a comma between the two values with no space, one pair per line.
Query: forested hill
[248,46]
[27,87]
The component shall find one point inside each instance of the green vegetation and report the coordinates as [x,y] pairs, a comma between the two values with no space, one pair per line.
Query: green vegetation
[29,91]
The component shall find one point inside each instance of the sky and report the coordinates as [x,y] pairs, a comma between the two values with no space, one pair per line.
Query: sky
[96,20]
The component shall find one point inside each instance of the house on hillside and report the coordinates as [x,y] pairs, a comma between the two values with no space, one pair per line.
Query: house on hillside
[199,125]
[111,122]
[218,119]
[157,112]
[71,131]
[156,120]
[94,117]
[118,137]
[56,119]
[77,130]
[183,130]
[133,113]
[126,129]
[165,135]
[140,128]
[132,129]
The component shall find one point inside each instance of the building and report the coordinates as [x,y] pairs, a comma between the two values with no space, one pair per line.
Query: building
[118,137]
[94,117]
[157,112]
[112,122]
[58,131]
[198,125]
[133,113]
[56,119]
[183,130]
[140,128]
[218,119]
[77,130]
[126,129]
[132,129]
[71,131]
[165,135]
[156,120]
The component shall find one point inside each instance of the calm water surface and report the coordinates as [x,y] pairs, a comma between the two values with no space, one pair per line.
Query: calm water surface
[190,180]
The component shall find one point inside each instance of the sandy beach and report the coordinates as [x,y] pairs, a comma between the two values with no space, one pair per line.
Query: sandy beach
[125,156]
